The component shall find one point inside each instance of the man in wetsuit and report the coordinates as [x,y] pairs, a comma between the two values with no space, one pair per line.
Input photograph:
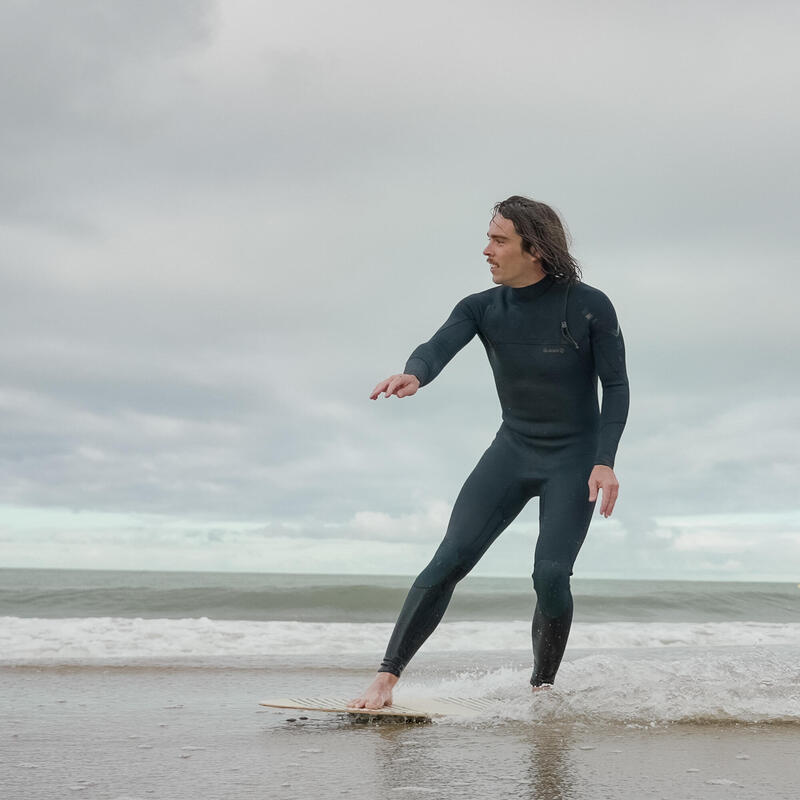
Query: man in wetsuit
[548,337]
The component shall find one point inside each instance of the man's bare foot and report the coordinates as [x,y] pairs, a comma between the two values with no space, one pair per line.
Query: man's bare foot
[542,686]
[378,694]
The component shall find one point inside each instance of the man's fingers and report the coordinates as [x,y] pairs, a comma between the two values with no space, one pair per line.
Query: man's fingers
[614,493]
[383,386]
[609,493]
[392,387]
[609,498]
[401,385]
[379,388]
[602,479]
[410,386]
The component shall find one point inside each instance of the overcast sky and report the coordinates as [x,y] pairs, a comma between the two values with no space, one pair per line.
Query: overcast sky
[223,223]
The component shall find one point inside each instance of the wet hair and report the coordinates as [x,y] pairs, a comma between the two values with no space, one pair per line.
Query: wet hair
[543,233]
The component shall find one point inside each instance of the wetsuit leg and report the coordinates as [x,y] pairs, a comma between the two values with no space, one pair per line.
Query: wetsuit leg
[492,496]
[564,516]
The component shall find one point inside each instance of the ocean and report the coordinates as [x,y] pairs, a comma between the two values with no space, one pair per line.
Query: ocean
[111,680]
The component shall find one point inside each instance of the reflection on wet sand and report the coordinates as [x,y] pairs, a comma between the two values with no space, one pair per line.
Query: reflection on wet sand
[551,773]
[533,760]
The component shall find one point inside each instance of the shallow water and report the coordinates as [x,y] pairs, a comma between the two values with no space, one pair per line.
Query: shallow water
[116,686]
[187,732]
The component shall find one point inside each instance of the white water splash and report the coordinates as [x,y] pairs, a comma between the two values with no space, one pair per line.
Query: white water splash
[750,685]
[30,639]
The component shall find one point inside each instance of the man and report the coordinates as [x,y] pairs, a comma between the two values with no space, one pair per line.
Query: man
[548,337]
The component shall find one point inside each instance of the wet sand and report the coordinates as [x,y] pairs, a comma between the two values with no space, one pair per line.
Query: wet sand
[187,732]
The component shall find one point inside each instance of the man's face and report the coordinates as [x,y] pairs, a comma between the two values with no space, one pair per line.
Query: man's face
[510,265]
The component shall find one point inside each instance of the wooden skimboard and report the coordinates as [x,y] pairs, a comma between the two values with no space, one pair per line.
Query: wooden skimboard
[418,709]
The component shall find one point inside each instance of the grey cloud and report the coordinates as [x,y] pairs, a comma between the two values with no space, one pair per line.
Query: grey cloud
[222,230]
[83,92]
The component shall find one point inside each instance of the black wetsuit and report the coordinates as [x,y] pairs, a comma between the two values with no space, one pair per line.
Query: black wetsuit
[547,343]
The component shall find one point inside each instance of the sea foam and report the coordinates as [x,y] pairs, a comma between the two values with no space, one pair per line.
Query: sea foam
[749,685]
[32,639]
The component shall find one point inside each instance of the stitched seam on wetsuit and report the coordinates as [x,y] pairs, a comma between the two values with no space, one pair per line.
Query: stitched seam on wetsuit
[468,548]
[561,343]
[433,345]
[606,361]
[446,327]
[499,508]
[420,358]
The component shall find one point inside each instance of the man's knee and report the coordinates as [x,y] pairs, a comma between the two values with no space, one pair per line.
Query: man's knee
[448,566]
[551,582]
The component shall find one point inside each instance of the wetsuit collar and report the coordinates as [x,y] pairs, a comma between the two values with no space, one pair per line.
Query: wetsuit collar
[532,291]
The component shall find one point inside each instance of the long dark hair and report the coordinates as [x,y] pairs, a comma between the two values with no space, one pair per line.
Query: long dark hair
[543,233]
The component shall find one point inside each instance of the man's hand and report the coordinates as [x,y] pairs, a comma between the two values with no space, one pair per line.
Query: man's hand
[400,385]
[603,478]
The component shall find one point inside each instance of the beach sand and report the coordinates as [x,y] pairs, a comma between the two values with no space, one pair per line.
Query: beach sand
[184,731]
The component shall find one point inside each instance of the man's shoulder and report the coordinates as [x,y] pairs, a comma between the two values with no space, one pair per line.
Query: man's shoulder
[485,296]
[590,295]
[595,306]
[582,289]
[479,300]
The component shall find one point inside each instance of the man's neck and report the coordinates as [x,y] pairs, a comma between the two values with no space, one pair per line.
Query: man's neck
[528,279]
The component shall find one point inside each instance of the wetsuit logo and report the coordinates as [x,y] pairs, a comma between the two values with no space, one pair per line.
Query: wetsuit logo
[552,349]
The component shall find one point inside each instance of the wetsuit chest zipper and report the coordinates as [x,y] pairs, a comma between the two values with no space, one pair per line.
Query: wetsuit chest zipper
[564,329]
[566,334]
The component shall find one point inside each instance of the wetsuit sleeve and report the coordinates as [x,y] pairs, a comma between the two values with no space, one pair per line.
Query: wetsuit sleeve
[430,358]
[608,349]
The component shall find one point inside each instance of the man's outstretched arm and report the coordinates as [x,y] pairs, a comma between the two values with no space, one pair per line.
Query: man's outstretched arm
[430,358]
